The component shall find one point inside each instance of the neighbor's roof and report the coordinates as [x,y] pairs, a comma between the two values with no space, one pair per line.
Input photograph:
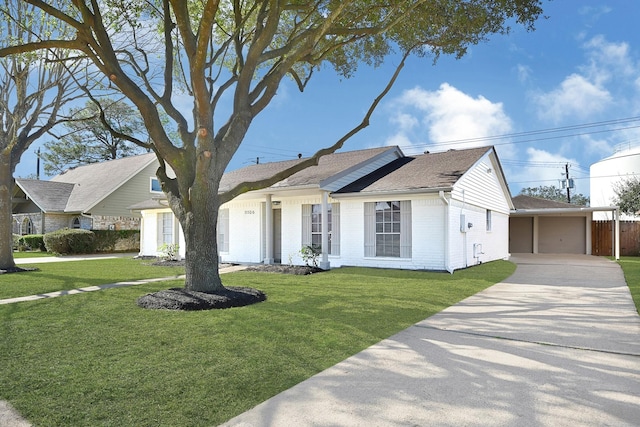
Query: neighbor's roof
[528,202]
[429,171]
[329,166]
[47,195]
[96,181]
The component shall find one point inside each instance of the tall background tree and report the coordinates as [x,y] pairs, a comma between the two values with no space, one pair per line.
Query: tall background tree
[34,87]
[627,194]
[551,192]
[230,57]
[86,140]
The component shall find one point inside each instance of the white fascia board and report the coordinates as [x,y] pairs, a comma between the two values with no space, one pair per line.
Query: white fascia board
[390,193]
[553,211]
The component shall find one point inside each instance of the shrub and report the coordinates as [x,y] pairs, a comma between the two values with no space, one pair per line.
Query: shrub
[310,254]
[70,241]
[169,251]
[117,240]
[16,239]
[31,242]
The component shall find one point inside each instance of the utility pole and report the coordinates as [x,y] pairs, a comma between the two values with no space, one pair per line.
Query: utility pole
[566,169]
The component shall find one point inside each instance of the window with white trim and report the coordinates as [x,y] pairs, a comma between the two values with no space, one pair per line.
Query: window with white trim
[155,186]
[312,226]
[75,223]
[165,228]
[488,220]
[388,229]
[223,230]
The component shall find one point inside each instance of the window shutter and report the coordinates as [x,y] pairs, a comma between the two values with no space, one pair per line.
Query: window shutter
[369,229]
[335,229]
[306,225]
[223,230]
[405,229]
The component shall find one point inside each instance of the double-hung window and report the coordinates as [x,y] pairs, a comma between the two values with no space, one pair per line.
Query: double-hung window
[388,229]
[165,228]
[312,226]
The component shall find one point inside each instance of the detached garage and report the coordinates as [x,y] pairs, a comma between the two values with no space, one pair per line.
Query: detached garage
[546,226]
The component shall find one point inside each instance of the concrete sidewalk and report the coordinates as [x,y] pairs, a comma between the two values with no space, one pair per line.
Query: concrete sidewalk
[556,344]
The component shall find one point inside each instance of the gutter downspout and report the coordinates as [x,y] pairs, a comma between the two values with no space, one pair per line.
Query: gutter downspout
[446,231]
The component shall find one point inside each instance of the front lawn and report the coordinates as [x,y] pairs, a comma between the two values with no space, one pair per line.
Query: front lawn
[631,268]
[30,254]
[98,359]
[57,276]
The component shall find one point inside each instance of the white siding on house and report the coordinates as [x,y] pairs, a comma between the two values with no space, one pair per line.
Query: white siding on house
[245,232]
[480,186]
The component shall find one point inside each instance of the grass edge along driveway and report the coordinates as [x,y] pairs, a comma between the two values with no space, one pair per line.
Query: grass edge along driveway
[97,359]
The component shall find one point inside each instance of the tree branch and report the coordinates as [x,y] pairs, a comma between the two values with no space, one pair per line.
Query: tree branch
[246,186]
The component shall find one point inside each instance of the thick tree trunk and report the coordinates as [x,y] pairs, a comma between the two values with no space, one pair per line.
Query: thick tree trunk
[200,232]
[6,219]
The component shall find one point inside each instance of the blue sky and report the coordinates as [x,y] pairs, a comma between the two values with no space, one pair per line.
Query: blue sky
[562,94]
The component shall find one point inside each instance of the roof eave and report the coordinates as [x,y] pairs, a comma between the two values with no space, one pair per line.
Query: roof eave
[583,209]
[362,194]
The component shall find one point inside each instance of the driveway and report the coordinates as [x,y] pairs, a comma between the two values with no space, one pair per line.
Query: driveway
[556,344]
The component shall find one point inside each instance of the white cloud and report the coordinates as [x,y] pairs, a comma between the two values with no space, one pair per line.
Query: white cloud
[601,82]
[449,117]
[524,73]
[575,97]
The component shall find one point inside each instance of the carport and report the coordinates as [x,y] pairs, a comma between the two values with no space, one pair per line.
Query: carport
[548,228]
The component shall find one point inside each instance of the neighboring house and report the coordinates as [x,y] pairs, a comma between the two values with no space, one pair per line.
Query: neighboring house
[95,196]
[375,208]
[546,226]
[611,171]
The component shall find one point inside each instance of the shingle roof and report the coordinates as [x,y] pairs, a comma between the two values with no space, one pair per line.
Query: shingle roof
[528,202]
[423,172]
[47,195]
[328,166]
[96,181]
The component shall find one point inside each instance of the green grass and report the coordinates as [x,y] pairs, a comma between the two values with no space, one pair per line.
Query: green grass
[56,276]
[631,268]
[34,254]
[97,359]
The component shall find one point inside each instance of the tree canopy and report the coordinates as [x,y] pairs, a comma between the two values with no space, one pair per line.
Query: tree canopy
[86,140]
[551,192]
[627,194]
[229,58]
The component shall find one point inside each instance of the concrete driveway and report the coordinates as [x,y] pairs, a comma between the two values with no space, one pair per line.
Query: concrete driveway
[556,344]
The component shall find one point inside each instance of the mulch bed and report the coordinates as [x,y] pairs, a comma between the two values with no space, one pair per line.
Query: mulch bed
[300,270]
[183,299]
[17,270]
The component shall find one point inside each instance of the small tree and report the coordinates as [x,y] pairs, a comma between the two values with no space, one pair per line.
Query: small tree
[34,87]
[551,192]
[628,195]
[87,140]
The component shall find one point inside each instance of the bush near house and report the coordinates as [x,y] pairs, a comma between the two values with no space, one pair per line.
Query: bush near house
[31,242]
[70,241]
[117,240]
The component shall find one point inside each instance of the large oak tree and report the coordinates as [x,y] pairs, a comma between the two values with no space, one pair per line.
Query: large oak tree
[230,56]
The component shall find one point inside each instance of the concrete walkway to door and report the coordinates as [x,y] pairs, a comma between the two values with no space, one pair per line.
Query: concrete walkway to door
[556,344]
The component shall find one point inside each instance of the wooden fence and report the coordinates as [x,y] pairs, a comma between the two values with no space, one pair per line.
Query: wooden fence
[602,238]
